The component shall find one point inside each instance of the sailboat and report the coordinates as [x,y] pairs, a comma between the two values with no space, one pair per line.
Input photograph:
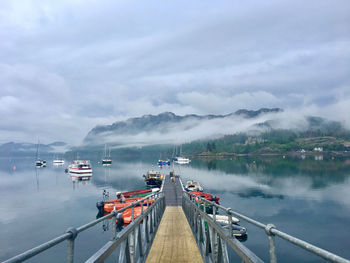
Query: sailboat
[58,161]
[39,162]
[107,158]
[180,159]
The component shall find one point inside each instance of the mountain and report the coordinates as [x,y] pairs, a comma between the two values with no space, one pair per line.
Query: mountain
[253,113]
[165,123]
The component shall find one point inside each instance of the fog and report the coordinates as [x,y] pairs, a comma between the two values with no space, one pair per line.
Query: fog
[194,129]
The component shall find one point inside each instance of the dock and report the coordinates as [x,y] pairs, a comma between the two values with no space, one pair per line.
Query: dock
[174,241]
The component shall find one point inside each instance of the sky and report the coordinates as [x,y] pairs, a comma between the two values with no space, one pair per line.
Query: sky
[67,66]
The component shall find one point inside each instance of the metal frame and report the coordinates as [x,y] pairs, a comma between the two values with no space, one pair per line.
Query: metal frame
[205,241]
[143,228]
[212,239]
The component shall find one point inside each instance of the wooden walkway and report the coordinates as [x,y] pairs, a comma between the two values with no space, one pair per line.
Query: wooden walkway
[174,241]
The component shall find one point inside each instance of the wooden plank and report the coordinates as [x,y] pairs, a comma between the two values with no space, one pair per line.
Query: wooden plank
[174,241]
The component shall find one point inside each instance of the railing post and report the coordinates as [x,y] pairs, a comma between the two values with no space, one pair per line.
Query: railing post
[214,213]
[229,214]
[70,244]
[272,252]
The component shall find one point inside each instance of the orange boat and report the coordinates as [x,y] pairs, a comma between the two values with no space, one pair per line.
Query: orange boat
[127,217]
[125,199]
[117,204]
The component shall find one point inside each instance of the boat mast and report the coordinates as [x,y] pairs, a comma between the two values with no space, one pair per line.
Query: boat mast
[37,150]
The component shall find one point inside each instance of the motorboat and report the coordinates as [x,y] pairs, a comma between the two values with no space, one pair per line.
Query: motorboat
[193,186]
[153,178]
[162,163]
[181,160]
[207,196]
[80,167]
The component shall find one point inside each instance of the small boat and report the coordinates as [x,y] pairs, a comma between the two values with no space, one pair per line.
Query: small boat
[140,193]
[193,186]
[222,219]
[125,199]
[109,206]
[153,178]
[39,162]
[107,157]
[181,160]
[207,196]
[80,167]
[58,162]
[162,163]
[237,230]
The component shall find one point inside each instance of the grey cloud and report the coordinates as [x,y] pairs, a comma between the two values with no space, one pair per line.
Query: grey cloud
[84,63]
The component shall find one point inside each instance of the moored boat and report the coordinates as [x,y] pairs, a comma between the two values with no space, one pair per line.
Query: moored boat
[40,163]
[124,199]
[58,162]
[207,196]
[153,179]
[107,157]
[182,160]
[193,186]
[80,167]
[162,163]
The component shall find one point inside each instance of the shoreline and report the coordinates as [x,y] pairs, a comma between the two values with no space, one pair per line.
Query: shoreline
[228,155]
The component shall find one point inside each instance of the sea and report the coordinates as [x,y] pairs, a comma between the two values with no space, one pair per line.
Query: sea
[305,196]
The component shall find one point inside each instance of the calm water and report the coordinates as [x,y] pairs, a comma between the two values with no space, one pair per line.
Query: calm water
[306,198]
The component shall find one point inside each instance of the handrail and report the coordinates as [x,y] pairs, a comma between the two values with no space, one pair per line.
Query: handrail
[213,236]
[71,233]
[134,230]
[272,231]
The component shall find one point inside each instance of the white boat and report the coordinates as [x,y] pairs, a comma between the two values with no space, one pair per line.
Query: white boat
[182,160]
[81,167]
[107,158]
[193,186]
[224,219]
[58,161]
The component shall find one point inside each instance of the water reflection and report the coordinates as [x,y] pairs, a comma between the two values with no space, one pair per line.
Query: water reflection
[307,198]
[80,179]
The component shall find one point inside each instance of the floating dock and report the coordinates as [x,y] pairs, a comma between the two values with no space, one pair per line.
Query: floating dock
[174,241]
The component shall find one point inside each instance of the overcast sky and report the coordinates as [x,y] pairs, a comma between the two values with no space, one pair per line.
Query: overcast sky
[66,66]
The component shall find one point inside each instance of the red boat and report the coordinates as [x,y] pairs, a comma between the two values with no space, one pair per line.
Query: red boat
[207,196]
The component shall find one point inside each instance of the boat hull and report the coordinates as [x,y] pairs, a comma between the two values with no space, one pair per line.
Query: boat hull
[106,161]
[80,171]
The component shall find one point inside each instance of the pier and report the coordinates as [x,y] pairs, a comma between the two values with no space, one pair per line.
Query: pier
[174,241]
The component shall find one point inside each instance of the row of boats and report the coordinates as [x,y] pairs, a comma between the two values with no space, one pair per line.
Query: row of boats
[178,160]
[42,163]
[154,180]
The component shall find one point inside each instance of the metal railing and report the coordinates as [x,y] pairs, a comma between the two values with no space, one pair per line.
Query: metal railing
[210,236]
[149,219]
